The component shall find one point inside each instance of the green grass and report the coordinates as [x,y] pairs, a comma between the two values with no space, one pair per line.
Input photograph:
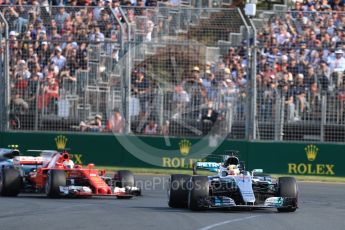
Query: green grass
[168,171]
[315,178]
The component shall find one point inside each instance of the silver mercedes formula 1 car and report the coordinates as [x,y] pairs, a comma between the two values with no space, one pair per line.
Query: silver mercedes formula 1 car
[232,187]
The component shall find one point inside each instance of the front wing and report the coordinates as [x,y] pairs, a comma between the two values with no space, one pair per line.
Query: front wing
[84,191]
[227,202]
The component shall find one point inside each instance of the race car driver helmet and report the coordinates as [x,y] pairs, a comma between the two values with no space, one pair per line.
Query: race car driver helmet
[68,164]
[231,160]
[233,170]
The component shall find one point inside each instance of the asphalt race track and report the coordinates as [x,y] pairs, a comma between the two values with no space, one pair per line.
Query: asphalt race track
[322,206]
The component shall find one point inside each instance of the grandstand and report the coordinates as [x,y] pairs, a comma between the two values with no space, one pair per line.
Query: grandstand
[191,69]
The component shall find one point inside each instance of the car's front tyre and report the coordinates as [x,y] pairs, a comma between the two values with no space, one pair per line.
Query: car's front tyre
[287,188]
[55,179]
[198,193]
[178,191]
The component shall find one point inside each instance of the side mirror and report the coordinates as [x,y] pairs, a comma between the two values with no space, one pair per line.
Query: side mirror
[257,171]
[254,171]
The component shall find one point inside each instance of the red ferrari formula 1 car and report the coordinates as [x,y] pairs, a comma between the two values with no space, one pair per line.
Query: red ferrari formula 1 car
[55,174]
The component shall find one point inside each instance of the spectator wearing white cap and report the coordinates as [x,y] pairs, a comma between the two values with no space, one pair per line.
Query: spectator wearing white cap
[22,70]
[13,34]
[42,35]
[337,63]
[282,64]
[58,59]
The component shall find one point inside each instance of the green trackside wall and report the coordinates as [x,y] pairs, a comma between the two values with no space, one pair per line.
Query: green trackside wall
[105,150]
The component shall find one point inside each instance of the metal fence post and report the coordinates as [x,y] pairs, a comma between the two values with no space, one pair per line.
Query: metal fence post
[2,82]
[279,118]
[253,64]
[250,125]
[127,75]
[5,81]
[323,117]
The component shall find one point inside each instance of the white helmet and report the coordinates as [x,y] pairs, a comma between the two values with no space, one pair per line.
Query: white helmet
[233,170]
[68,164]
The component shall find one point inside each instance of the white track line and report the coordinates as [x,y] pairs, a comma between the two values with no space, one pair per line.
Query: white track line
[226,222]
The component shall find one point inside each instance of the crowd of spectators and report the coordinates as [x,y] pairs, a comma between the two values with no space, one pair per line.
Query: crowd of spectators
[48,44]
[301,58]
[201,97]
[209,93]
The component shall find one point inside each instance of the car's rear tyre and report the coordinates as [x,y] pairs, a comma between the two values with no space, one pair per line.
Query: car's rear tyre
[55,179]
[10,182]
[178,191]
[287,188]
[198,193]
[124,178]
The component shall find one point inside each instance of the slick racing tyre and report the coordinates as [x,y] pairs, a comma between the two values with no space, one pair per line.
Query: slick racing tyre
[55,179]
[198,193]
[178,191]
[287,188]
[124,178]
[10,182]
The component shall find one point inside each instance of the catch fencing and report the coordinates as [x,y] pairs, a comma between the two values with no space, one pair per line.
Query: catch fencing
[300,76]
[171,71]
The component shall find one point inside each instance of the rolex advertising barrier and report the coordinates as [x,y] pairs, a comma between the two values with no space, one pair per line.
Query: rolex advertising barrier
[160,152]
